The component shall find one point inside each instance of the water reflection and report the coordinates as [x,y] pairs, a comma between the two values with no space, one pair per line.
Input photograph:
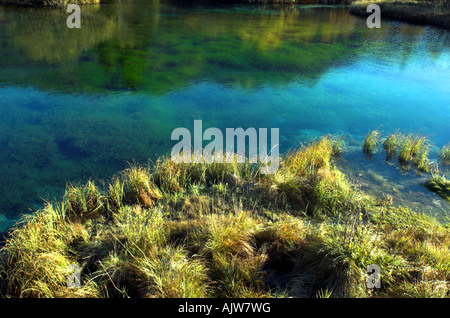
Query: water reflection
[155,48]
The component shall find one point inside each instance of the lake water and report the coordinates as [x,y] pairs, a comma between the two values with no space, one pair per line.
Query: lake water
[83,103]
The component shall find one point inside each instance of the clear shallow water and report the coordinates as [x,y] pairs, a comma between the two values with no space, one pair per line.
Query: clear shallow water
[80,104]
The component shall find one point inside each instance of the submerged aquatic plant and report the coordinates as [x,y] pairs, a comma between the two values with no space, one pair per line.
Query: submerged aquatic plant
[371,142]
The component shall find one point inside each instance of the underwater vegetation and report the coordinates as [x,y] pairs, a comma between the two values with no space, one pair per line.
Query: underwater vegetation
[225,230]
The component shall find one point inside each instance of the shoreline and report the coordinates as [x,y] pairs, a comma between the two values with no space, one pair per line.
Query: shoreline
[415,12]
[410,12]
[45,3]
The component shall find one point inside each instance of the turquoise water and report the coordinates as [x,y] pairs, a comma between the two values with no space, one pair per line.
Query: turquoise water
[81,104]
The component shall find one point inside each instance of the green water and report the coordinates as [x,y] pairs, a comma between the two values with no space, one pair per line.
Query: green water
[83,103]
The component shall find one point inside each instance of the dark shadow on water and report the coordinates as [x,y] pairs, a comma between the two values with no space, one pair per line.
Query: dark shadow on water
[68,148]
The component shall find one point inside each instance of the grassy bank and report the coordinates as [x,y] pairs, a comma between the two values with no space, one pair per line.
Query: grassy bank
[224,230]
[433,12]
[45,3]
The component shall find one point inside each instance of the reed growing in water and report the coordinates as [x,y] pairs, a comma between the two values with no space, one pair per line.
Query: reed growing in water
[371,142]
[412,149]
[439,184]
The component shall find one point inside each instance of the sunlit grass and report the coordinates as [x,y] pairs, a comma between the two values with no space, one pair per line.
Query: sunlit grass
[220,230]
[371,142]
[392,144]
[439,184]
[415,149]
[411,149]
[84,201]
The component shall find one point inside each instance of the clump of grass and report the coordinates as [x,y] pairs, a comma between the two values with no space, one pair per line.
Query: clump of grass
[371,142]
[422,288]
[37,257]
[439,184]
[229,235]
[140,228]
[336,259]
[309,159]
[172,177]
[169,272]
[284,235]
[169,176]
[116,193]
[139,187]
[414,149]
[334,195]
[281,239]
[116,276]
[392,144]
[307,180]
[229,246]
[410,149]
[444,156]
[84,201]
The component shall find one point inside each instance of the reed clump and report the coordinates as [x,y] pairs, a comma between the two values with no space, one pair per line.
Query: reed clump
[412,149]
[371,142]
[415,149]
[439,184]
[213,230]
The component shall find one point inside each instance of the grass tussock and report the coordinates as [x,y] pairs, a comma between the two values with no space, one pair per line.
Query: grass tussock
[439,184]
[371,142]
[224,230]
